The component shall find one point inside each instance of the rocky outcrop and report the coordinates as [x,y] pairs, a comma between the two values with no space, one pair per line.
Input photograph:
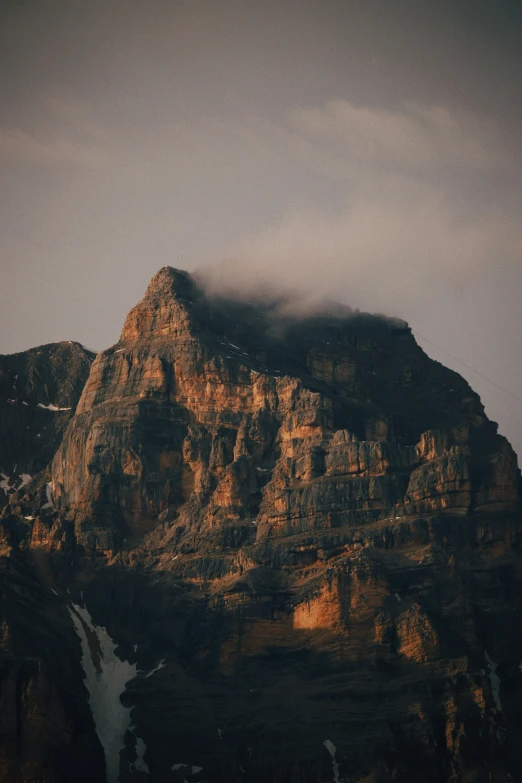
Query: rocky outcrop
[39,391]
[305,534]
[178,413]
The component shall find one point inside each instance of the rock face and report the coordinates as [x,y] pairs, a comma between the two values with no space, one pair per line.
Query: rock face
[304,534]
[39,391]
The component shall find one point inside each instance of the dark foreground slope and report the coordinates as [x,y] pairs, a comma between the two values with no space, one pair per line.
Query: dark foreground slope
[297,546]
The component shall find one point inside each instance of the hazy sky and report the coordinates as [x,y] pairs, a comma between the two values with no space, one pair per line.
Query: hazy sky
[368,149]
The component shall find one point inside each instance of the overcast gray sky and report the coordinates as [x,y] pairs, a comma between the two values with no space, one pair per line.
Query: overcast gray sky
[369,149]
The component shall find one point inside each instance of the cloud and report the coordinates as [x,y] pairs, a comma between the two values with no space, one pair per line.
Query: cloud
[381,254]
[421,138]
[31,148]
[406,240]
[64,132]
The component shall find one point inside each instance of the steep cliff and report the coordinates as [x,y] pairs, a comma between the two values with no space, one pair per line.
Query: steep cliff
[294,544]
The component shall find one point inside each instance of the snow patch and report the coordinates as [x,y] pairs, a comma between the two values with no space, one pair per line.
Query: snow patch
[28,517]
[494,680]
[156,669]
[397,596]
[5,485]
[51,407]
[49,495]
[330,747]
[106,677]
[140,764]
[15,486]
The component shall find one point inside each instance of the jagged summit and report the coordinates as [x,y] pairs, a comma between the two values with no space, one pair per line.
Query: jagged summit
[169,281]
[178,304]
[165,310]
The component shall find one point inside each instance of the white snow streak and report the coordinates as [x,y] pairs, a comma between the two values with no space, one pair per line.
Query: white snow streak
[494,680]
[330,747]
[49,495]
[156,669]
[105,677]
[52,407]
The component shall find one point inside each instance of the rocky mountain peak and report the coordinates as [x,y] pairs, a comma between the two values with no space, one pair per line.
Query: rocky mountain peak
[165,309]
[169,282]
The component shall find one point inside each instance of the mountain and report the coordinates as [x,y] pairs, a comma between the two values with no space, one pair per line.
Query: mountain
[266,549]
